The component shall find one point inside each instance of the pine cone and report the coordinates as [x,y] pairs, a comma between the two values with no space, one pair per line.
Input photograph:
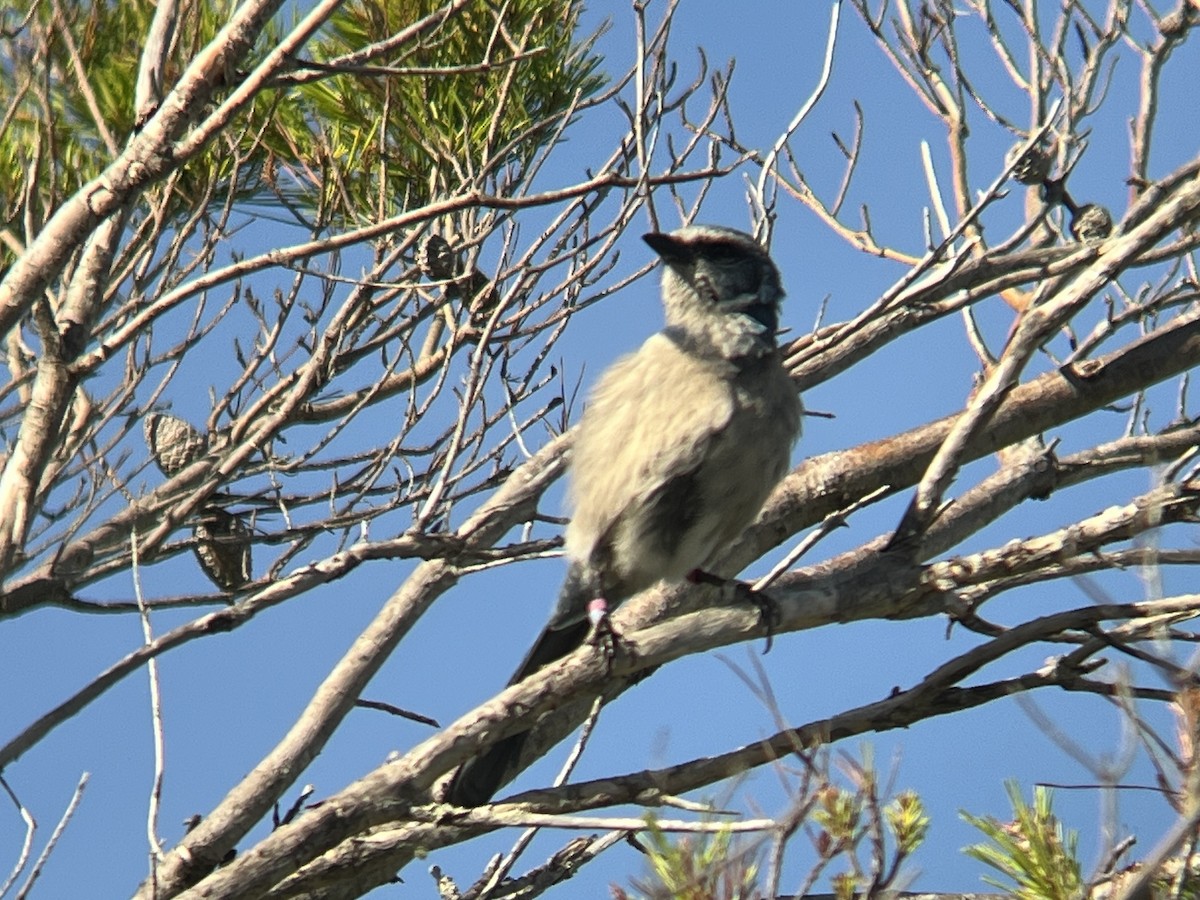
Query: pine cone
[483,297]
[223,548]
[436,259]
[1032,166]
[173,443]
[1092,222]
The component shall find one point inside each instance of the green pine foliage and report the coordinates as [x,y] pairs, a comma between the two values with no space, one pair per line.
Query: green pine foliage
[907,821]
[469,106]
[848,827]
[68,87]
[338,140]
[1032,850]
[710,866]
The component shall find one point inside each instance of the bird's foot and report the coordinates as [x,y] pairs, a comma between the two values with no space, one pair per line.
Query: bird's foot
[603,635]
[768,609]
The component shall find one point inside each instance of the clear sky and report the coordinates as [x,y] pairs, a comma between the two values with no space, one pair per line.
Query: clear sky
[229,699]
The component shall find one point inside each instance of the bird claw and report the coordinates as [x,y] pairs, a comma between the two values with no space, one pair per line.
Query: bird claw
[768,609]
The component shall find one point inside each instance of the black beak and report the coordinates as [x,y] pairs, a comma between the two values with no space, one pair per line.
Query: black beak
[671,249]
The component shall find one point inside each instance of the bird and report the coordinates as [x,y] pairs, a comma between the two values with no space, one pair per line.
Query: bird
[678,447]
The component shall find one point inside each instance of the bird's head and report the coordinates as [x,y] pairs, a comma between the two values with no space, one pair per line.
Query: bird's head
[721,283]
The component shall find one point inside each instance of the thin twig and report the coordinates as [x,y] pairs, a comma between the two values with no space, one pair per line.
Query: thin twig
[26,843]
[510,860]
[156,721]
[59,829]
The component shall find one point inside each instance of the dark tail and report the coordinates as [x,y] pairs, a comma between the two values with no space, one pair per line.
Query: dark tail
[478,780]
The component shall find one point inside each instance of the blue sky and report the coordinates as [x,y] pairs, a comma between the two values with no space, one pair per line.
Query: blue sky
[230,698]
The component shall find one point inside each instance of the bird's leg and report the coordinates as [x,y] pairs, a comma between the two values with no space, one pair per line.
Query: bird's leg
[603,634]
[768,609]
